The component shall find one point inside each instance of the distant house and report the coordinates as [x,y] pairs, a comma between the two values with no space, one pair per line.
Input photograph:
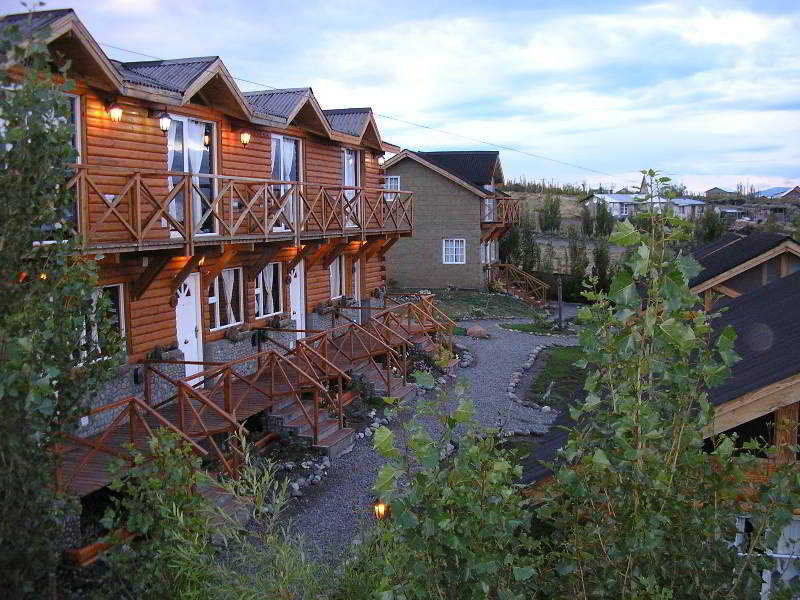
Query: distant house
[459,216]
[688,208]
[717,193]
[780,194]
[623,206]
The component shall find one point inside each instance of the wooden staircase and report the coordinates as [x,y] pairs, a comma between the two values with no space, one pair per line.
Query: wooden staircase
[518,283]
[291,418]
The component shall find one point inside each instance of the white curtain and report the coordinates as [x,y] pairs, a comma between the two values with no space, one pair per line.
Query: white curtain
[289,156]
[227,284]
[267,276]
[176,206]
[195,147]
[335,279]
[350,180]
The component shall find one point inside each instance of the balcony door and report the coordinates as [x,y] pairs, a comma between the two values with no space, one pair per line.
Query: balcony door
[351,177]
[189,324]
[286,168]
[187,152]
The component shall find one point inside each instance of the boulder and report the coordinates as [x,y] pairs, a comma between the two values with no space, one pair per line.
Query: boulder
[477,331]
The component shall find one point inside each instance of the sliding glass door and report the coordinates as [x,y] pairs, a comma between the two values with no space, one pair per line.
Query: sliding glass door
[351,178]
[285,167]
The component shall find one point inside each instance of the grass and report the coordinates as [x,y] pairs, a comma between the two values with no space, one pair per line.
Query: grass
[464,304]
[532,327]
[459,331]
[559,368]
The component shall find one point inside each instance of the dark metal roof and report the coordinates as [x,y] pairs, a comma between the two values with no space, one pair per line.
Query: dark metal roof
[767,324]
[28,22]
[474,167]
[175,75]
[278,103]
[348,120]
[732,250]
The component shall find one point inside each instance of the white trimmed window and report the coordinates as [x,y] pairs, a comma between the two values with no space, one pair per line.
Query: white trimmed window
[269,291]
[392,183]
[337,277]
[225,299]
[454,251]
[116,315]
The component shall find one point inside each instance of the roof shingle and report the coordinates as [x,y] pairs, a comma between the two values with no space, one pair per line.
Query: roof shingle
[732,250]
[471,166]
[278,103]
[348,120]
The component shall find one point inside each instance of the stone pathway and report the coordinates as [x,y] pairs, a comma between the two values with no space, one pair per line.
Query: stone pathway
[332,514]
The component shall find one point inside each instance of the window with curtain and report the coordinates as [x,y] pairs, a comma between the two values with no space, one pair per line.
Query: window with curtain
[488,209]
[225,299]
[392,183]
[187,153]
[454,251]
[351,177]
[337,277]
[269,291]
[116,315]
[285,167]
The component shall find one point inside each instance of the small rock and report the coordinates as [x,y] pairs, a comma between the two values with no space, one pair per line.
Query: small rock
[479,332]
[356,541]
[546,408]
[384,421]
[289,465]
[360,435]
[302,482]
[305,464]
[368,432]
[442,381]
[512,396]
[326,462]
[315,480]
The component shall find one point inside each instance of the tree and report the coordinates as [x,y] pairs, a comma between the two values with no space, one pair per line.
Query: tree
[550,214]
[604,220]
[577,260]
[48,302]
[509,244]
[587,221]
[602,264]
[771,225]
[638,509]
[710,227]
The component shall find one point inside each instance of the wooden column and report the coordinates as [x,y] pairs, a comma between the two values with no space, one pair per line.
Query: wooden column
[786,419]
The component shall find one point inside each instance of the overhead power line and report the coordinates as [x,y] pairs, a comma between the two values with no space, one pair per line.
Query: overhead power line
[419,125]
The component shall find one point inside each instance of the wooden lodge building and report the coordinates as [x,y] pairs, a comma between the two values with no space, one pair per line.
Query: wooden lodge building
[232,232]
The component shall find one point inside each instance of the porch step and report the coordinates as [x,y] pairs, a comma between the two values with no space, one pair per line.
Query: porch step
[337,443]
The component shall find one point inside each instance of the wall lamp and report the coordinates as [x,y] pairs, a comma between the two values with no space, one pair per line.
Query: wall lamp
[245,138]
[164,120]
[381,160]
[114,110]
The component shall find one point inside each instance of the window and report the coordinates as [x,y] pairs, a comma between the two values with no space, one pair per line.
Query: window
[225,299]
[392,183]
[337,277]
[484,255]
[351,177]
[269,291]
[488,210]
[623,209]
[116,316]
[285,167]
[454,251]
[187,153]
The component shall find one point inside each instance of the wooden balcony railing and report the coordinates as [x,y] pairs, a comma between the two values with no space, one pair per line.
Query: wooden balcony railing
[127,210]
[500,210]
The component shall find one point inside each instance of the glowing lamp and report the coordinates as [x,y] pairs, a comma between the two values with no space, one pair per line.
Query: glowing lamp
[381,510]
[245,137]
[115,112]
[202,261]
[207,137]
[381,160]
[42,276]
[164,121]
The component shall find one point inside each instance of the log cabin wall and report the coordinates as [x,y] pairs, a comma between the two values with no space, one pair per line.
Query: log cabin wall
[137,143]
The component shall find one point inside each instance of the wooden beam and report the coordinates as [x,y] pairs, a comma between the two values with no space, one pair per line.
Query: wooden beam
[155,265]
[388,244]
[222,262]
[263,259]
[755,404]
[177,280]
[301,254]
[333,254]
[786,418]
[784,265]
[319,254]
[373,248]
[729,292]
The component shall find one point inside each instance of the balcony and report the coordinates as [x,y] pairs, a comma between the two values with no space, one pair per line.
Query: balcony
[127,210]
[500,210]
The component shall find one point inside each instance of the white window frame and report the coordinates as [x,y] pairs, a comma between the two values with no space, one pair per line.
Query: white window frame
[351,194]
[259,292]
[338,265]
[453,257]
[91,324]
[392,182]
[78,123]
[623,210]
[214,303]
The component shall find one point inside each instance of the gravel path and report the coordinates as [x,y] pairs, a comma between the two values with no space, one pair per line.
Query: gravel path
[331,515]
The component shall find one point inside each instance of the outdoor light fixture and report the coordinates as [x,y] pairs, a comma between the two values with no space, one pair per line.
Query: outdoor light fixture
[42,276]
[207,136]
[381,160]
[114,111]
[381,510]
[202,261]
[245,137]
[164,121]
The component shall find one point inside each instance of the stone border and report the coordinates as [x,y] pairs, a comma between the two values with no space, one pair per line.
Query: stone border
[565,333]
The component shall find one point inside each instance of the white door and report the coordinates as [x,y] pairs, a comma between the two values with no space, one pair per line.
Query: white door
[188,322]
[297,296]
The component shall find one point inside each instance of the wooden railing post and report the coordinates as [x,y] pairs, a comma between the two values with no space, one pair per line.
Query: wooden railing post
[315,424]
[188,218]
[228,391]
[181,405]
[341,414]
[131,421]
[147,391]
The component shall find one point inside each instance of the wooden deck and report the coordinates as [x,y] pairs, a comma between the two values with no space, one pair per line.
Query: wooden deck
[216,401]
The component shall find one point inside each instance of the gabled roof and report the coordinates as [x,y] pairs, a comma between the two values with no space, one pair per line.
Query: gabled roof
[732,250]
[719,189]
[279,103]
[476,167]
[617,198]
[687,202]
[175,75]
[767,324]
[418,158]
[351,121]
[27,22]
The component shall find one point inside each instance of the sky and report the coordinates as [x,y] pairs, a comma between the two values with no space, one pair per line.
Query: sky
[705,92]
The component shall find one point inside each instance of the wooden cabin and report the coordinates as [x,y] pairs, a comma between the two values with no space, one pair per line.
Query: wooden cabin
[212,213]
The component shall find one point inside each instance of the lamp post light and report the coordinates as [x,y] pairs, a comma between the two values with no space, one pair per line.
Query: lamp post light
[381,510]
